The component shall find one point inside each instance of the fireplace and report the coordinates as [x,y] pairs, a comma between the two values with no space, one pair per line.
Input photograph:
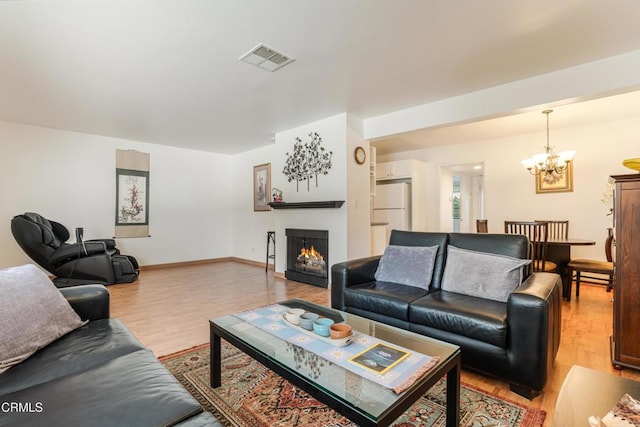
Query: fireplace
[308,256]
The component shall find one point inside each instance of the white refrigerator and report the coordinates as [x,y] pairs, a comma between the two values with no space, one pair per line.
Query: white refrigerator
[392,204]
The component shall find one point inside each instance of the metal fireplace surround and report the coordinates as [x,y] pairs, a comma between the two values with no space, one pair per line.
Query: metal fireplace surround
[308,256]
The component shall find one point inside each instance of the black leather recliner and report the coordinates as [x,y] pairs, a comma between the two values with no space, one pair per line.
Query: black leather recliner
[86,262]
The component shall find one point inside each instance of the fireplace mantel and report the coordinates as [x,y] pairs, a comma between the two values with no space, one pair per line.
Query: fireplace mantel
[307,205]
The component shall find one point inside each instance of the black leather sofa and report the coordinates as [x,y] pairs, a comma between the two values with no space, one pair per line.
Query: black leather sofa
[515,340]
[97,375]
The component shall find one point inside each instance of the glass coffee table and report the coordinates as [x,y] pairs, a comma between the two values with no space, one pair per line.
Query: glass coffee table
[362,401]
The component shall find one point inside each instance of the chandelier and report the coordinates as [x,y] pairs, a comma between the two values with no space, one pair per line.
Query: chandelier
[549,164]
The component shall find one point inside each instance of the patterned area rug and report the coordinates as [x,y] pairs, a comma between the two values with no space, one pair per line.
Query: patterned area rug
[252,395]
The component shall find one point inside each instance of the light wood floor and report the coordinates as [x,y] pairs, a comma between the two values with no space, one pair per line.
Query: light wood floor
[168,310]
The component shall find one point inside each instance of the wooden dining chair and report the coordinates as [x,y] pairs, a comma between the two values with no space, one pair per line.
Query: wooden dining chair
[593,266]
[557,229]
[537,232]
[482,226]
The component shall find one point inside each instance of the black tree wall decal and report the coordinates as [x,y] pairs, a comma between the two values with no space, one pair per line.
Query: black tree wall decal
[307,160]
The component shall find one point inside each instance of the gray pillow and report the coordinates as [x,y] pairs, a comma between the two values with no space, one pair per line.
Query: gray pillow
[407,265]
[33,313]
[482,274]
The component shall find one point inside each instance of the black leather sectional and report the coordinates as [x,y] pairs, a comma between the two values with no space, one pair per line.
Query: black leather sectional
[97,375]
[515,340]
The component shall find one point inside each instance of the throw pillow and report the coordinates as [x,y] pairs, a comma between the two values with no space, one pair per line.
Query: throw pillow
[33,313]
[482,274]
[408,265]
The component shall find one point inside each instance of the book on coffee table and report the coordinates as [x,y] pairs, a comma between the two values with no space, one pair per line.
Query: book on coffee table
[379,358]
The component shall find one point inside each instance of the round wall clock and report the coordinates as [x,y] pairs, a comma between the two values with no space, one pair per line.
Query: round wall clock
[360,155]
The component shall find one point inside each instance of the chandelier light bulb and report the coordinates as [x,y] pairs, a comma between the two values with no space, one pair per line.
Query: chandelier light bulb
[528,163]
[548,163]
[567,156]
[540,158]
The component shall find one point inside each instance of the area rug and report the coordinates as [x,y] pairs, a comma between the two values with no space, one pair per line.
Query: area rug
[254,396]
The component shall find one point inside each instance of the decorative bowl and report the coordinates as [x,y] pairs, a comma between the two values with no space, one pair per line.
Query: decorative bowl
[293,315]
[340,330]
[632,164]
[321,326]
[306,320]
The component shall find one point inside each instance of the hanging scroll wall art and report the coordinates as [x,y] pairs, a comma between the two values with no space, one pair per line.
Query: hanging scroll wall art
[132,194]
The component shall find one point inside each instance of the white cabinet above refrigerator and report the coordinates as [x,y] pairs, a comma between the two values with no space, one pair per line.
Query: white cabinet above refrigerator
[394,170]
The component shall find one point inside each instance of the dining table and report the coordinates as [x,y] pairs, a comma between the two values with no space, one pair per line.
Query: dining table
[559,252]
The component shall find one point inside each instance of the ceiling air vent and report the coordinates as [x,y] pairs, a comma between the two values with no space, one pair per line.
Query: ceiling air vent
[264,57]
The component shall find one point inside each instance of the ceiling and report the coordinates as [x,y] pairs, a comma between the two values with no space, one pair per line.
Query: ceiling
[580,113]
[167,71]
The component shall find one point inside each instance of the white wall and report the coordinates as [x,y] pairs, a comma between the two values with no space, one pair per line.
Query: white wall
[509,190]
[70,177]
[477,209]
[445,190]
[201,203]
[466,199]
[358,190]
[333,186]
[250,228]
[348,226]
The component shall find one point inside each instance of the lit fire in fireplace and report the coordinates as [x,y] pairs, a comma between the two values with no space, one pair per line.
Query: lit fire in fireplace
[310,254]
[310,260]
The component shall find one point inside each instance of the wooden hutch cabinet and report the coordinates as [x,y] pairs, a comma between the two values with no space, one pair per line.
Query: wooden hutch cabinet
[625,343]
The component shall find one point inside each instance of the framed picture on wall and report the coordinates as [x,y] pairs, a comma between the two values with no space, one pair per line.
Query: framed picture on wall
[555,183]
[261,187]
[132,197]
